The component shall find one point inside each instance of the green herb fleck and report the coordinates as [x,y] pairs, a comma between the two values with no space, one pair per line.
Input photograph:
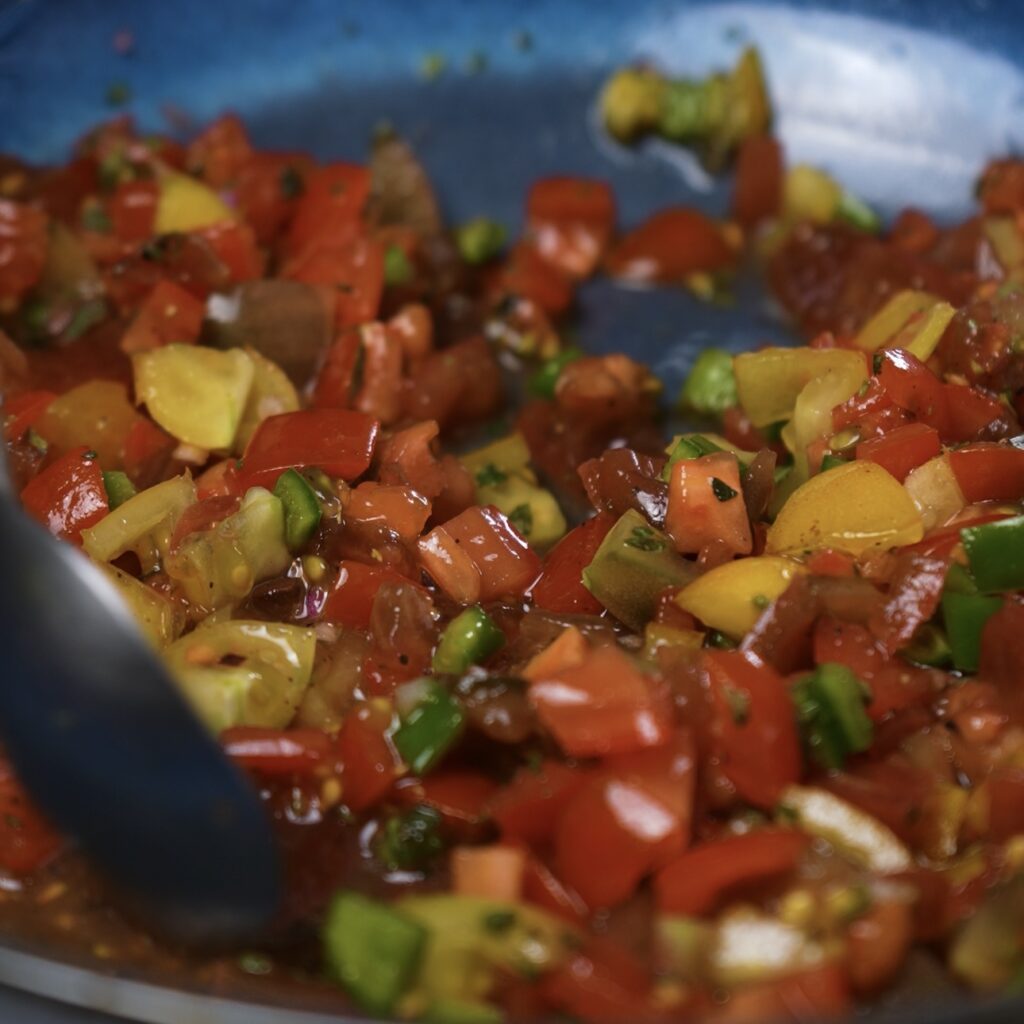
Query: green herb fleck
[490,475]
[499,921]
[521,517]
[643,538]
[37,441]
[410,841]
[291,183]
[722,491]
[716,638]
[739,704]
[118,94]
[397,268]
[480,240]
[85,317]
[760,601]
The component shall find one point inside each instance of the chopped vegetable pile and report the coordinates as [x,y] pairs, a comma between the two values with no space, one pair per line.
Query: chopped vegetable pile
[555,713]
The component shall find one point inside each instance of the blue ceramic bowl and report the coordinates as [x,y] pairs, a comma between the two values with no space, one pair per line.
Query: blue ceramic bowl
[903,100]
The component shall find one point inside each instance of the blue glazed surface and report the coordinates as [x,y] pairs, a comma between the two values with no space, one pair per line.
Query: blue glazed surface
[903,100]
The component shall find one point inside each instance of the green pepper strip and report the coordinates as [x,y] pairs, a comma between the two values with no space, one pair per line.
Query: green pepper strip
[693,446]
[542,383]
[995,552]
[301,508]
[118,487]
[372,949]
[830,704]
[469,639]
[430,730]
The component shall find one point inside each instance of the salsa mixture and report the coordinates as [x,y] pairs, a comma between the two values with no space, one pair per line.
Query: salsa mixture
[555,712]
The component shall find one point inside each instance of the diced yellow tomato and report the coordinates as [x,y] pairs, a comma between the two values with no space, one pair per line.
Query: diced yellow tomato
[271,393]
[910,320]
[96,414]
[731,597]
[160,619]
[852,508]
[768,382]
[186,204]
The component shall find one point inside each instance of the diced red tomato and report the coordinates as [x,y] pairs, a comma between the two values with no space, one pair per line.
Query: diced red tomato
[894,684]
[872,413]
[22,411]
[147,450]
[902,449]
[530,276]
[702,877]
[169,315]
[277,752]
[23,245]
[828,562]
[914,388]
[971,411]
[204,515]
[220,151]
[605,705]
[705,505]
[987,471]
[332,200]
[234,244]
[754,725]
[336,383]
[68,496]
[560,586]
[133,210]
[350,600]
[369,762]
[478,556]
[338,441]
[406,457]
[757,194]
[380,390]
[402,510]
[1001,188]
[460,797]
[1005,788]
[27,841]
[528,808]
[600,983]
[877,944]
[219,479]
[267,189]
[670,246]
[542,887]
[808,996]
[570,221]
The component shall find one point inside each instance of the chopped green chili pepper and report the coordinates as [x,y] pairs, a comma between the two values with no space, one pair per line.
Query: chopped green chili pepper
[480,240]
[830,461]
[542,383]
[830,705]
[470,638]
[930,646]
[119,488]
[995,552]
[430,730]
[372,949]
[397,268]
[965,616]
[858,214]
[301,508]
[410,841]
[710,387]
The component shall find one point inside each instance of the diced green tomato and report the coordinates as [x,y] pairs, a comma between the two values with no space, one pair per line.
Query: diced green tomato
[469,639]
[397,268]
[472,938]
[542,384]
[853,832]
[160,619]
[965,616]
[372,949]
[631,568]
[497,460]
[830,706]
[987,952]
[480,240]
[118,487]
[430,730]
[197,394]
[142,524]
[411,840]
[857,213]
[461,1011]
[220,565]
[271,666]
[301,508]
[995,553]
[532,510]
[710,387]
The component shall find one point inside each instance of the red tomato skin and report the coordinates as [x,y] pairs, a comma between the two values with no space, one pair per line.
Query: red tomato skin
[528,808]
[809,996]
[234,244]
[338,441]
[332,201]
[277,752]
[902,449]
[915,589]
[369,763]
[169,315]
[696,882]
[757,194]
[560,586]
[350,601]
[133,210]
[570,221]
[68,496]
[755,725]
[22,411]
